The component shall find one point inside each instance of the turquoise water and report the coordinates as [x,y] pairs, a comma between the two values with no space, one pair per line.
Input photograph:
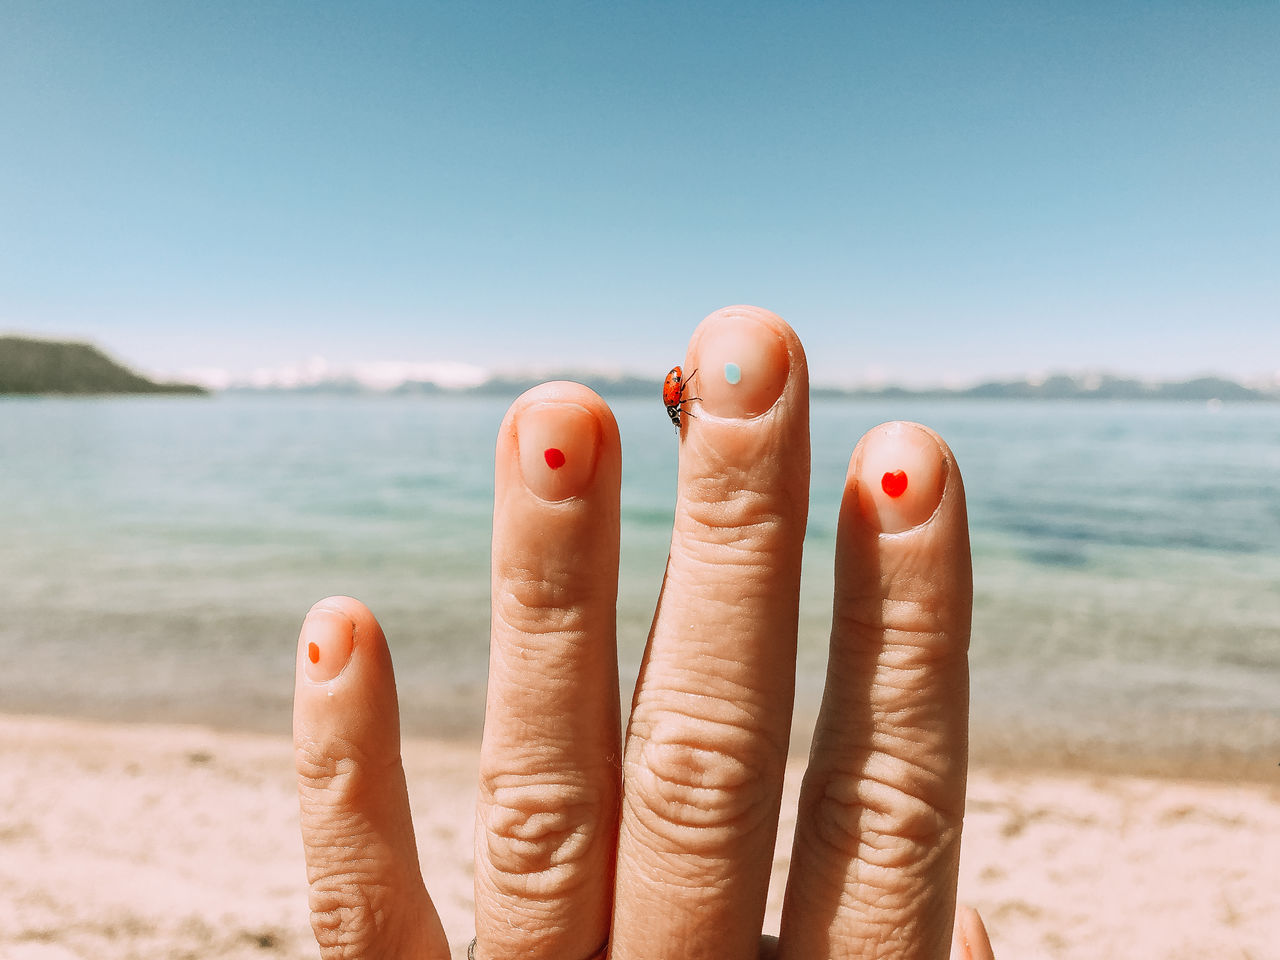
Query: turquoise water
[159,554]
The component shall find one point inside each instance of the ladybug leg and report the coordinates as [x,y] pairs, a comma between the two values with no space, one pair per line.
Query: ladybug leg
[688,380]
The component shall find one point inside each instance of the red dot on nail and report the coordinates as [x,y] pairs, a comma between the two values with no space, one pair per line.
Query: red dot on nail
[313,653]
[894,483]
[555,458]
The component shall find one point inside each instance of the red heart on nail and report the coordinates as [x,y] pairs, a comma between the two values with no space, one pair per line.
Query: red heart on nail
[894,483]
[555,459]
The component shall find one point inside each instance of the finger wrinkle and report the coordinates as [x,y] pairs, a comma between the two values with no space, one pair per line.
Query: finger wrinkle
[698,705]
[545,587]
[549,657]
[529,922]
[540,845]
[357,857]
[544,756]
[539,615]
[922,614]
[917,582]
[895,920]
[896,694]
[881,933]
[538,787]
[701,785]
[549,867]
[700,878]
[340,768]
[732,576]
[350,919]
[881,778]
[881,818]
[874,743]
[703,670]
[329,766]
[728,515]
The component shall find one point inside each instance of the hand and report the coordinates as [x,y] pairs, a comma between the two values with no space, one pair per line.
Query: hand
[665,848]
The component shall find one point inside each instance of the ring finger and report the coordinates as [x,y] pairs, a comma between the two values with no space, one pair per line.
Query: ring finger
[873,870]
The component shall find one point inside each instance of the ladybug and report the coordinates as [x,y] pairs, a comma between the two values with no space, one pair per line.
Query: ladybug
[673,394]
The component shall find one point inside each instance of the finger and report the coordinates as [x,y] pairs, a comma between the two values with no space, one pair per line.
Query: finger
[873,869]
[547,815]
[969,940]
[367,896]
[710,723]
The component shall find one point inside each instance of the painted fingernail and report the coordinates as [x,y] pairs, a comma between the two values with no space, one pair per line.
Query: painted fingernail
[558,444]
[327,641]
[742,366]
[901,474]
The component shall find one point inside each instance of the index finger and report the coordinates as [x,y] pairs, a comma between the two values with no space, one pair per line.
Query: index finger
[549,768]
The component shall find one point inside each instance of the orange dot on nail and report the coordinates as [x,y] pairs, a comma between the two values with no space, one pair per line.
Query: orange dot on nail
[555,458]
[894,483]
[313,653]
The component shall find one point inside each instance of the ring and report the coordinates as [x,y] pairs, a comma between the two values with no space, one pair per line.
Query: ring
[598,955]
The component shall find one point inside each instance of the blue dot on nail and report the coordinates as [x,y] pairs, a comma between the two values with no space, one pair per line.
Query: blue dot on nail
[732,373]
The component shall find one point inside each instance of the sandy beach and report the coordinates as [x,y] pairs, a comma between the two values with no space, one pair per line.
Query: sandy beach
[173,842]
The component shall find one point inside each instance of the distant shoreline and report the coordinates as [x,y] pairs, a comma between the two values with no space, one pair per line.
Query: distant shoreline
[34,367]
[1056,389]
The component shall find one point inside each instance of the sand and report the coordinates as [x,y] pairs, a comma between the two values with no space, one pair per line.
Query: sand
[173,842]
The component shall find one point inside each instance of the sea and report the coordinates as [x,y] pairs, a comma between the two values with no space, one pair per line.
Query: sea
[159,553]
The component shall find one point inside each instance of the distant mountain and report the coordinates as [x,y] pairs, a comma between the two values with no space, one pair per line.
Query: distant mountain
[1090,387]
[29,366]
[1059,387]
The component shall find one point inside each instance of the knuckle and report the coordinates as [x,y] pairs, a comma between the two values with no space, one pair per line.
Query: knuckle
[325,766]
[885,822]
[336,773]
[349,916]
[540,833]
[732,514]
[538,602]
[700,787]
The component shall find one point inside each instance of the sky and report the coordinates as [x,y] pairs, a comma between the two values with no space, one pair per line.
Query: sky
[929,193]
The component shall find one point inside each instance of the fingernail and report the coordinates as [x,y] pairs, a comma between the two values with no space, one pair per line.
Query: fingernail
[742,366]
[901,474]
[558,444]
[327,640]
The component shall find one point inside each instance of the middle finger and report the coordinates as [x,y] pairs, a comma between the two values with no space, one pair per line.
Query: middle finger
[707,743]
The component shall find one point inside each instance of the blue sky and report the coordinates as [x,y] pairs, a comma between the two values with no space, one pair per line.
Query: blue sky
[928,192]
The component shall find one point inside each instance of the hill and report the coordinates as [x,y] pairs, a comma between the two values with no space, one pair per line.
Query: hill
[29,366]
